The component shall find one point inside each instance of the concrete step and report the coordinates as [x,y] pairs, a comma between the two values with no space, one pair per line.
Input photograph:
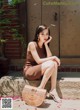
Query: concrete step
[17,64]
[68,88]
[68,84]
[68,75]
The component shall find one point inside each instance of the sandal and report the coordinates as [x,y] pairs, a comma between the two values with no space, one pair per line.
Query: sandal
[55,96]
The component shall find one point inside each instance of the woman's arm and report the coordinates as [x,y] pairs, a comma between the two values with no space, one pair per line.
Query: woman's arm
[35,55]
[49,54]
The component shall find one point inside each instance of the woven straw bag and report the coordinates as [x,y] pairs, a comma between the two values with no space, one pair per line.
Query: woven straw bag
[33,96]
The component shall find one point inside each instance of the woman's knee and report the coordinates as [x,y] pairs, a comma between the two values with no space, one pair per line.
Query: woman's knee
[55,64]
[46,65]
[52,64]
[49,63]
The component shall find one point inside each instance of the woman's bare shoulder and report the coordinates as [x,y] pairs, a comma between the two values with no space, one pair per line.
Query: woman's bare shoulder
[32,45]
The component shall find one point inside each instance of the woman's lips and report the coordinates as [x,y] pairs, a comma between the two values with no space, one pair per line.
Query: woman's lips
[45,39]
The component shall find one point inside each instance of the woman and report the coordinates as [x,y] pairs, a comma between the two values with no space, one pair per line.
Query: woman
[40,62]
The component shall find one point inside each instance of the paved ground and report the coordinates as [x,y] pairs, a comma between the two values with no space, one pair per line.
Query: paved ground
[47,105]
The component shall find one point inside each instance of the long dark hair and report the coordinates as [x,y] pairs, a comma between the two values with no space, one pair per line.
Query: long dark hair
[39,29]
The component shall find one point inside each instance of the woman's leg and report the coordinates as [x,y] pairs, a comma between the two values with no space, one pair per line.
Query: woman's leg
[54,77]
[47,71]
[53,91]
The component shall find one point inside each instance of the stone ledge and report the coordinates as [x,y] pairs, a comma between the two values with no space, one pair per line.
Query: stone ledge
[67,87]
[13,86]
[70,88]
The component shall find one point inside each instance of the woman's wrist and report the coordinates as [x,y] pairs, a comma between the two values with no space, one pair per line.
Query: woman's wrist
[45,44]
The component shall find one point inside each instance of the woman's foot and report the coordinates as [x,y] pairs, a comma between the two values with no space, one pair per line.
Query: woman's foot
[55,96]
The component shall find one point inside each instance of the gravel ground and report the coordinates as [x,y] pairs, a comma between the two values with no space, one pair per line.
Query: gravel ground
[48,104]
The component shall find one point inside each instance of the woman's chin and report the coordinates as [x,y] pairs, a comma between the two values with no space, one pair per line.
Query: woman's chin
[44,41]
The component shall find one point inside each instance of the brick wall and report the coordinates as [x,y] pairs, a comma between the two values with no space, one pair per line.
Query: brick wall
[69,68]
[12,48]
[61,68]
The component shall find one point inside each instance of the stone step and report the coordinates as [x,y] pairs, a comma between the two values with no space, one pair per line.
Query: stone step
[68,75]
[67,87]
[17,65]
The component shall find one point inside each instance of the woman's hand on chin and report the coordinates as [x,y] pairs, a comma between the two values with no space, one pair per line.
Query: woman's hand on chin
[49,40]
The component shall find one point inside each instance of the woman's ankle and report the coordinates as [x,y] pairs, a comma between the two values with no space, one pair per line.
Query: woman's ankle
[55,96]
[53,90]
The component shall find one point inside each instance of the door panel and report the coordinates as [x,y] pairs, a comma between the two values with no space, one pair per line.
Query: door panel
[50,15]
[34,17]
[70,30]
[38,13]
[66,33]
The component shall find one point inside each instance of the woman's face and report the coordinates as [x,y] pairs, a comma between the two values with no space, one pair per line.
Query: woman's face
[43,36]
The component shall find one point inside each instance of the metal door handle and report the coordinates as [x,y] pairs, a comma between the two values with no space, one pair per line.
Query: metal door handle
[55,16]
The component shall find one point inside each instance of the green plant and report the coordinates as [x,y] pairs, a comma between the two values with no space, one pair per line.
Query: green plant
[18,36]
[4,23]
[13,2]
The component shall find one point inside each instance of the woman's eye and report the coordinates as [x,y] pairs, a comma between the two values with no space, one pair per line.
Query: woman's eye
[44,34]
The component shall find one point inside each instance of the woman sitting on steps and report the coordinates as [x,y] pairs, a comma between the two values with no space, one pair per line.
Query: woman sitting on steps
[40,62]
